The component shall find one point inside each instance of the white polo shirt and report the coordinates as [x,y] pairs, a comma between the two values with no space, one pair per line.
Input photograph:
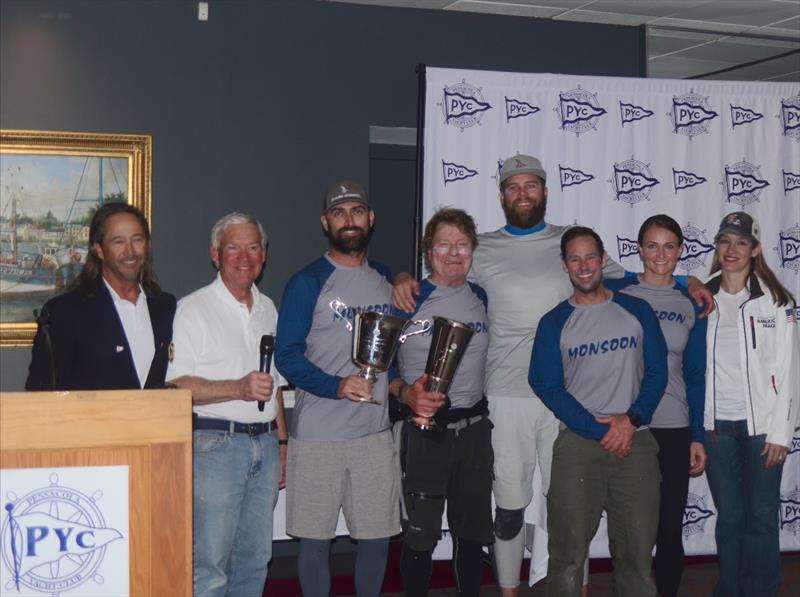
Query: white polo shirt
[216,337]
[135,318]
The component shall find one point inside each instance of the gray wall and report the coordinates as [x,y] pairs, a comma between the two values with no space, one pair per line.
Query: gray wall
[260,107]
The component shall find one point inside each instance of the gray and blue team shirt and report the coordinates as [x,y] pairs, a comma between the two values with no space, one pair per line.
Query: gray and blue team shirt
[599,360]
[465,304]
[520,270]
[314,348]
[685,333]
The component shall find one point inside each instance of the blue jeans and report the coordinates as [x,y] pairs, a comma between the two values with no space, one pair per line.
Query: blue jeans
[235,490]
[747,496]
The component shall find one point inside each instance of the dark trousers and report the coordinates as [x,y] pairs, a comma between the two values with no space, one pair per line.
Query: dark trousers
[673,460]
[747,496]
[453,467]
[586,480]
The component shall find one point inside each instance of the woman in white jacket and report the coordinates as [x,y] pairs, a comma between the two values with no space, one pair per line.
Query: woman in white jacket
[751,408]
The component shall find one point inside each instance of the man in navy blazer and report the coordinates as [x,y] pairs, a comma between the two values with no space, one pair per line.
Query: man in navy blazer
[112,328]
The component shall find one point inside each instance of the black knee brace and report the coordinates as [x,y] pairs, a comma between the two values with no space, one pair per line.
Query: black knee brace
[507,523]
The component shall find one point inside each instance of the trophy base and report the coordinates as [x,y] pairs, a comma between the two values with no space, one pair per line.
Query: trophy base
[370,373]
[373,401]
[426,424]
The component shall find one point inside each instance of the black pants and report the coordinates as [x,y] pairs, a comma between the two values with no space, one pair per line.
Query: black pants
[673,459]
[456,468]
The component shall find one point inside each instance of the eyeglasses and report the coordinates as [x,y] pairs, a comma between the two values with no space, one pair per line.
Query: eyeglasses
[462,249]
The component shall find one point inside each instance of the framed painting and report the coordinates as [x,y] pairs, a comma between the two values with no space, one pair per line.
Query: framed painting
[51,183]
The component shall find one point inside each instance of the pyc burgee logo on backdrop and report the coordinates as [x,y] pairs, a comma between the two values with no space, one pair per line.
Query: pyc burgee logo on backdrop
[789,248]
[578,110]
[695,515]
[633,181]
[570,177]
[683,179]
[743,183]
[695,248]
[453,172]
[790,117]
[54,539]
[517,108]
[463,105]
[791,181]
[740,116]
[632,113]
[691,114]
[627,247]
[790,511]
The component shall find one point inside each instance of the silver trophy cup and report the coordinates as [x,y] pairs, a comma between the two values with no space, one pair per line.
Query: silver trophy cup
[449,343]
[376,337]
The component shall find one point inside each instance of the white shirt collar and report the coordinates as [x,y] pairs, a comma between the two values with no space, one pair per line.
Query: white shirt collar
[227,298]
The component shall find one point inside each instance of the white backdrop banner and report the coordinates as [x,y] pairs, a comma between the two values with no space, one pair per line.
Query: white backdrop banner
[616,151]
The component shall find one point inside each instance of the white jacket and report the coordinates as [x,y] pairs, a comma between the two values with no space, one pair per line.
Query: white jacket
[769,349]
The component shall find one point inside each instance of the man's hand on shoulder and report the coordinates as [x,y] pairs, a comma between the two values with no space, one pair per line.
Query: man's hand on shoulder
[355,388]
[403,292]
[255,386]
[619,438]
[701,295]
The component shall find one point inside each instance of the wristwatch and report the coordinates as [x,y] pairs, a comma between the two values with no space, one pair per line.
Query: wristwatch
[634,418]
[400,396]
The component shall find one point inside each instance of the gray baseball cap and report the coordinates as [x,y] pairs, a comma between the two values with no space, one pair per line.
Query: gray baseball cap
[521,164]
[343,191]
[740,223]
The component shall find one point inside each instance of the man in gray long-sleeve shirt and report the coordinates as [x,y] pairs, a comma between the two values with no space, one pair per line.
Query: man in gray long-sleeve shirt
[341,455]
[599,362]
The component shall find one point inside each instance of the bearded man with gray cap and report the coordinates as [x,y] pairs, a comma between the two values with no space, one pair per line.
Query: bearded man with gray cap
[341,454]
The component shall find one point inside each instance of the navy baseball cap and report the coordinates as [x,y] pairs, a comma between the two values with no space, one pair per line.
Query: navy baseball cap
[740,223]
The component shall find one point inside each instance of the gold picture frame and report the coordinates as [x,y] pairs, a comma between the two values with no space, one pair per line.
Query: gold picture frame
[50,182]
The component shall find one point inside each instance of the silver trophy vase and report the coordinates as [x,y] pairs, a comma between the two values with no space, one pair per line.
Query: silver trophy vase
[376,337]
[450,341]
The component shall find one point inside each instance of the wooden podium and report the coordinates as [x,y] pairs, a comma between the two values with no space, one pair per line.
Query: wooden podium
[150,431]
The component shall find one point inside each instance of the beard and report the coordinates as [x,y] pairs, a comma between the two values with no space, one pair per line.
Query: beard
[350,244]
[527,219]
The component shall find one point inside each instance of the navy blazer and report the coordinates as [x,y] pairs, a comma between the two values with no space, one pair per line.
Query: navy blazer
[90,349]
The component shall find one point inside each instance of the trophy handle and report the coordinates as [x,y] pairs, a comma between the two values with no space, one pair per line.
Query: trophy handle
[426,325]
[337,305]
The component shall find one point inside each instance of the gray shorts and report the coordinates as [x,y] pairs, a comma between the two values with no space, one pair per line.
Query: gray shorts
[522,439]
[358,476]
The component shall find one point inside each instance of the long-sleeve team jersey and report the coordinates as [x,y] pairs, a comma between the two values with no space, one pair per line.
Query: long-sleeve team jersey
[314,348]
[685,333]
[599,360]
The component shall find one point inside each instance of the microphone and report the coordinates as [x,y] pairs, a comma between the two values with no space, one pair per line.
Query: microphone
[267,348]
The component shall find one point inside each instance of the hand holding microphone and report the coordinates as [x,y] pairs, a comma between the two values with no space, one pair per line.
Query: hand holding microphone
[265,362]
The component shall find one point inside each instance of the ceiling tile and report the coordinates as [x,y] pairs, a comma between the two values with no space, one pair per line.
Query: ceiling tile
[741,12]
[502,8]
[609,18]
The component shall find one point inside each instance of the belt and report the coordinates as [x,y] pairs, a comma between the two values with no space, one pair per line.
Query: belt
[251,429]
[464,423]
